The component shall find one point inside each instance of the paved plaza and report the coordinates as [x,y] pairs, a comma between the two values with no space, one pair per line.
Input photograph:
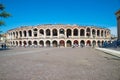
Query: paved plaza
[58,64]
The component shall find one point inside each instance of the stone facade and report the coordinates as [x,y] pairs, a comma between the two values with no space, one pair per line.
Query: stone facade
[118,24]
[58,35]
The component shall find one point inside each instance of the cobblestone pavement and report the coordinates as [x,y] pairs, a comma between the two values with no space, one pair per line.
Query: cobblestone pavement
[58,64]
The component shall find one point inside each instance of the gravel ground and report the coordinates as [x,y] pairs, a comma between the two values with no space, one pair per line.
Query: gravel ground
[58,64]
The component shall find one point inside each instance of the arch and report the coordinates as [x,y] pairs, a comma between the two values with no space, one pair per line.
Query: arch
[98,32]
[62,43]
[41,43]
[61,31]
[47,43]
[54,32]
[20,42]
[13,43]
[88,32]
[93,32]
[41,31]
[35,29]
[16,43]
[24,43]
[55,44]
[82,42]
[75,42]
[98,43]
[35,32]
[25,34]
[105,34]
[48,32]
[93,42]
[35,42]
[75,31]
[29,33]
[69,43]
[16,33]
[20,32]
[29,43]
[88,42]
[102,42]
[102,33]
[82,32]
[69,33]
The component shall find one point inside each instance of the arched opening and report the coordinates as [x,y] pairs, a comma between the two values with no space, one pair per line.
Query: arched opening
[54,31]
[24,43]
[41,43]
[102,43]
[54,43]
[20,33]
[14,34]
[69,43]
[93,32]
[76,44]
[29,33]
[35,42]
[94,43]
[105,34]
[88,43]
[24,32]
[20,42]
[35,32]
[82,32]
[98,33]
[41,31]
[82,42]
[47,43]
[98,43]
[29,43]
[75,32]
[16,43]
[69,33]
[61,31]
[13,43]
[102,33]
[17,34]
[62,43]
[88,32]
[48,32]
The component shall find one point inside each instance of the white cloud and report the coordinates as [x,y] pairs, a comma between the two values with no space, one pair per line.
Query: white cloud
[113,30]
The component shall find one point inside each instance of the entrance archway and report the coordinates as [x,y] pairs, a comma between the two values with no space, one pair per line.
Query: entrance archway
[82,42]
[88,43]
[47,43]
[41,43]
[29,43]
[69,43]
[54,43]
[62,43]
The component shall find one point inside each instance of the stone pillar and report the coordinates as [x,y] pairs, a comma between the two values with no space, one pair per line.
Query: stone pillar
[118,23]
[51,33]
[78,32]
[44,33]
[85,32]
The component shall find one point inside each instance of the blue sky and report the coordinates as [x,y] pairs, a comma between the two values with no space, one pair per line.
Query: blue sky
[81,12]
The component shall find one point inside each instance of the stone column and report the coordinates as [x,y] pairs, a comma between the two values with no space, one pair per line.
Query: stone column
[118,23]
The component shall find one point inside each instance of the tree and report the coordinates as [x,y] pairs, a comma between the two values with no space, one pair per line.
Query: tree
[3,14]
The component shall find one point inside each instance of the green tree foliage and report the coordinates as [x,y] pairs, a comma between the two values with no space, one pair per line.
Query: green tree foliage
[3,14]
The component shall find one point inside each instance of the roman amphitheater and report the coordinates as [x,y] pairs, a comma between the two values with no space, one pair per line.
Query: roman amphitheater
[58,35]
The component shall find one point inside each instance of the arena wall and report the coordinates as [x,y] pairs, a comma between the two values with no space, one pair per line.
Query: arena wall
[58,36]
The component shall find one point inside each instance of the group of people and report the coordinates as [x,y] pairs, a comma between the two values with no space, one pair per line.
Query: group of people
[3,46]
[76,45]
